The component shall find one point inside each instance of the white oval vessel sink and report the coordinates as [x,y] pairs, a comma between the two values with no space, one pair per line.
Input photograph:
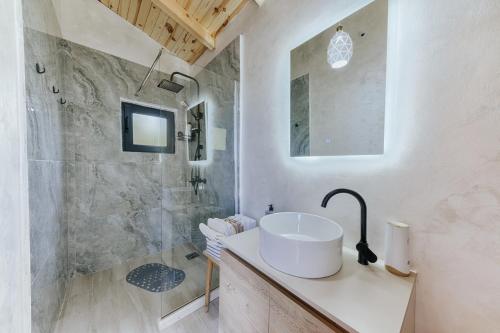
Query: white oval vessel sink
[300,244]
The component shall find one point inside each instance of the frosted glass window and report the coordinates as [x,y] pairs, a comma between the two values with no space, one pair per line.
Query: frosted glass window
[149,130]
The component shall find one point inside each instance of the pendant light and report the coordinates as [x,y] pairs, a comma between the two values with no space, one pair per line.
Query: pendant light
[340,49]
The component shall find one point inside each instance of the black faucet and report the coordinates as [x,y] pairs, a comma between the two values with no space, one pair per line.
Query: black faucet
[365,255]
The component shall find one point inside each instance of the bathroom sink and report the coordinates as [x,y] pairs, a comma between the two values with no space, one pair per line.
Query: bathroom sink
[300,244]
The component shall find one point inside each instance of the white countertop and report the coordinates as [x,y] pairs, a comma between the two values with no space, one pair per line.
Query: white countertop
[365,299]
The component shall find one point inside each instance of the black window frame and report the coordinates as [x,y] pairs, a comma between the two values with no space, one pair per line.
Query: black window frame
[128,109]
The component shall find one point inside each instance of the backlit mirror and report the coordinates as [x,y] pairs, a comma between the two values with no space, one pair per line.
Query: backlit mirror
[338,85]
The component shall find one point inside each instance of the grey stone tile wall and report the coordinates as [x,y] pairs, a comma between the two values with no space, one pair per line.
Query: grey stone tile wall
[218,82]
[48,227]
[115,202]
[299,116]
[227,62]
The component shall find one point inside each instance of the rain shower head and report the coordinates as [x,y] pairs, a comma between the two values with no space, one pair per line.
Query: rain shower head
[170,86]
[174,87]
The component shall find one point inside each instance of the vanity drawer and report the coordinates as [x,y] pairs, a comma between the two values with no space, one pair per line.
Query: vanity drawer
[244,298]
[251,302]
[288,316]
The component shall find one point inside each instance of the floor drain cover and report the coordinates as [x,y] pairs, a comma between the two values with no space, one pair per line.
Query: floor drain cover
[192,255]
[156,277]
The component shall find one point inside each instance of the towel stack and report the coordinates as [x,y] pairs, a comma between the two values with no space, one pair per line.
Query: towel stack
[218,229]
[214,248]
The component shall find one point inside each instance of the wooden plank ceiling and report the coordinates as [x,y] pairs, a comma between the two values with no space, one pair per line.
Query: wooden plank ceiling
[185,27]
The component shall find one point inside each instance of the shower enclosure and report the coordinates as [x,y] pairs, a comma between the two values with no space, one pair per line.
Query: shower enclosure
[211,180]
[102,218]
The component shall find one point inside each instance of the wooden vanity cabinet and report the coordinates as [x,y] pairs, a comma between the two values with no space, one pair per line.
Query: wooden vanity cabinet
[286,315]
[244,298]
[250,302]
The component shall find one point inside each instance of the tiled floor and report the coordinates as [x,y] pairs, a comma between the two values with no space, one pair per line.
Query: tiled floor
[105,302]
[198,322]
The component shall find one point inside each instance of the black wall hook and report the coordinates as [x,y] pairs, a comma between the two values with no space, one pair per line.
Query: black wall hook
[62,101]
[54,90]
[39,70]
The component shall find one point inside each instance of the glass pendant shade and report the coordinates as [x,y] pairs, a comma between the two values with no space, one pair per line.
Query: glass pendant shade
[340,49]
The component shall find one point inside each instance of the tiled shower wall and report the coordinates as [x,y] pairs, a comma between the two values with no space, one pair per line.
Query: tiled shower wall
[124,205]
[48,227]
[114,200]
[46,167]
[219,88]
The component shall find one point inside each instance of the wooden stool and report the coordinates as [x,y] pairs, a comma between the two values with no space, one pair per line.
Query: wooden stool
[208,278]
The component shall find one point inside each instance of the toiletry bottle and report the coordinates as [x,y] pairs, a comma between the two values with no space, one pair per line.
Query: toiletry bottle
[270,210]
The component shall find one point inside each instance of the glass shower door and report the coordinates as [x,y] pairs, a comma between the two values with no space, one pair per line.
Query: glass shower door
[194,191]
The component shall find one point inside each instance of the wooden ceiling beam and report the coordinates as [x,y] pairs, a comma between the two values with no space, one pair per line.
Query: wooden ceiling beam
[182,17]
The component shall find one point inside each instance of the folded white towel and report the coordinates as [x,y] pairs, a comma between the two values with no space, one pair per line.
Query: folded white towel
[214,245]
[221,226]
[210,233]
[215,255]
[216,242]
[214,252]
[247,222]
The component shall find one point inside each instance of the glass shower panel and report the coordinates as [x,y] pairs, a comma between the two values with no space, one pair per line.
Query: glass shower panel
[194,191]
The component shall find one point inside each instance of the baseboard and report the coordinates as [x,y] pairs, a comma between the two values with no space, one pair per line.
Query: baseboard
[186,310]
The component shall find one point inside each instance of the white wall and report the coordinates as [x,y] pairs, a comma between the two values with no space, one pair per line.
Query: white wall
[441,170]
[14,223]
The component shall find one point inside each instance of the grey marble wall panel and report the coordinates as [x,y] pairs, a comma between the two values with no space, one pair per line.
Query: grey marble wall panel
[46,298]
[115,206]
[220,173]
[216,198]
[95,134]
[44,116]
[97,79]
[227,62]
[299,116]
[46,155]
[95,84]
[114,213]
[177,192]
[48,228]
[48,235]
[171,236]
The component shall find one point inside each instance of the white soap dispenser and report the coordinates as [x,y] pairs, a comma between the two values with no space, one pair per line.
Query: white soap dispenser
[397,248]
